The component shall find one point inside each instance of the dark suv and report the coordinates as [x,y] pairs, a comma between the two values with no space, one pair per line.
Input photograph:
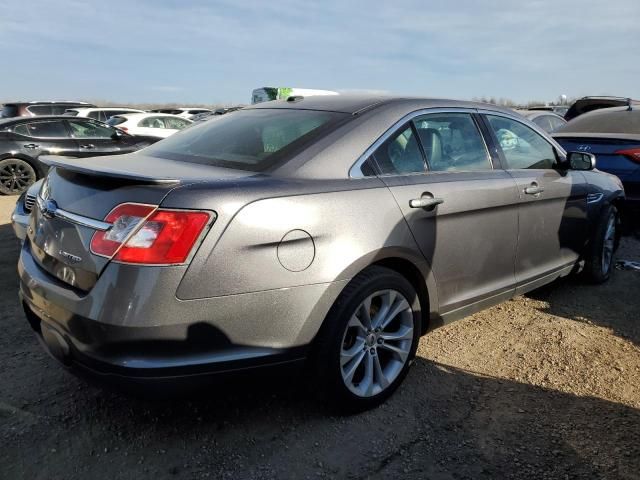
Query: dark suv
[36,109]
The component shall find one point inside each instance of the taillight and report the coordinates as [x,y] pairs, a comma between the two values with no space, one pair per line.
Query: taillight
[124,129]
[632,154]
[146,234]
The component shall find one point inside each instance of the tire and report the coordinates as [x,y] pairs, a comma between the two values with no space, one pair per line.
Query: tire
[349,349]
[600,250]
[16,176]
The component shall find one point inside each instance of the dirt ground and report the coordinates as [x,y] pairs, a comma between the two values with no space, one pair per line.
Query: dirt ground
[546,386]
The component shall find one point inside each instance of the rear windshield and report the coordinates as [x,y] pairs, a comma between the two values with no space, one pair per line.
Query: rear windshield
[616,121]
[251,140]
[9,111]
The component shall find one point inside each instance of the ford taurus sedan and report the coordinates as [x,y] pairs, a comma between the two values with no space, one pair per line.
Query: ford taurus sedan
[329,230]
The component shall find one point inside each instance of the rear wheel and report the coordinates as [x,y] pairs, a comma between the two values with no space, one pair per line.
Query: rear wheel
[16,176]
[601,249]
[369,340]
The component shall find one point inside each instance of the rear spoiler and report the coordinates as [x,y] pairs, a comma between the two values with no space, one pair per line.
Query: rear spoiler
[100,170]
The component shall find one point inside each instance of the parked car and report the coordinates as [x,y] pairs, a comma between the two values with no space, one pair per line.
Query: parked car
[613,136]
[35,109]
[201,117]
[267,94]
[23,140]
[589,104]
[557,109]
[332,229]
[159,125]
[546,120]
[184,112]
[103,113]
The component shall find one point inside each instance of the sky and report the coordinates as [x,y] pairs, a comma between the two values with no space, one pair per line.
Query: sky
[206,51]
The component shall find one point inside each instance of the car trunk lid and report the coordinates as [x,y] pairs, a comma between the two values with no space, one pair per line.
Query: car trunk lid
[78,195]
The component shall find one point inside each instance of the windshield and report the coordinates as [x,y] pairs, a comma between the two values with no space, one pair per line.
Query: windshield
[249,139]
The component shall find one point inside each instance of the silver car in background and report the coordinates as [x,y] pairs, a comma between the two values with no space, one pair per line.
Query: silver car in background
[332,230]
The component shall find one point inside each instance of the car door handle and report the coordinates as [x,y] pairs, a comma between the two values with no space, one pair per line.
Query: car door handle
[88,146]
[425,202]
[31,145]
[533,189]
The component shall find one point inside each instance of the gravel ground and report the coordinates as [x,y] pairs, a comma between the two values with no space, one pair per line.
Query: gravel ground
[544,386]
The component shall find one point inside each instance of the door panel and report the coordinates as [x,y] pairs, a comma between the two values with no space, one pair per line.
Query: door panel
[470,238]
[463,214]
[552,214]
[553,227]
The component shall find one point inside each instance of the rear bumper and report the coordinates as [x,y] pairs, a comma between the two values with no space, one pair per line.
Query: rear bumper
[153,363]
[127,328]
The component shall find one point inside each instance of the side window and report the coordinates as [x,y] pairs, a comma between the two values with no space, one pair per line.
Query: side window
[452,142]
[40,109]
[95,115]
[522,146]
[53,129]
[175,123]
[152,122]
[58,109]
[84,129]
[400,153]
[21,130]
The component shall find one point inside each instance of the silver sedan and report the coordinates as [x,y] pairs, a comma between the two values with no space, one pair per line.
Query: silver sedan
[333,231]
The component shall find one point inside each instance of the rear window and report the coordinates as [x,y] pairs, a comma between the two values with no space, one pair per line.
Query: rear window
[248,140]
[9,111]
[617,121]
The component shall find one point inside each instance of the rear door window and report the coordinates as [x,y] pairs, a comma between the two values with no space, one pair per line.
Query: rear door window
[400,153]
[48,129]
[452,142]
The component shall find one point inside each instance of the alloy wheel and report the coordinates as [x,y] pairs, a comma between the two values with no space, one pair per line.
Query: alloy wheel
[376,343]
[16,176]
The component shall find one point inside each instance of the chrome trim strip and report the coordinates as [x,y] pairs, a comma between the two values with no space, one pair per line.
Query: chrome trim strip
[82,221]
[354,171]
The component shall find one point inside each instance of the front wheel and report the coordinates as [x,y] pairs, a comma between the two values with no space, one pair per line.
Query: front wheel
[369,339]
[16,176]
[601,249]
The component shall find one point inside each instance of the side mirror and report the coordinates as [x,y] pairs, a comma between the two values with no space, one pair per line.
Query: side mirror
[581,160]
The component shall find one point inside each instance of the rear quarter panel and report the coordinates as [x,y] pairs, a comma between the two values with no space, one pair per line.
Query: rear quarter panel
[354,224]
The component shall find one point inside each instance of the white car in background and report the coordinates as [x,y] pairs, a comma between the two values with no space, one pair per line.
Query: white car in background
[159,125]
[101,113]
[184,112]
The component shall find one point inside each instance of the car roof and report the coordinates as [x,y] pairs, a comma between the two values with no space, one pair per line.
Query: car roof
[17,120]
[357,103]
[149,114]
[622,120]
[93,109]
[51,102]
[530,114]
